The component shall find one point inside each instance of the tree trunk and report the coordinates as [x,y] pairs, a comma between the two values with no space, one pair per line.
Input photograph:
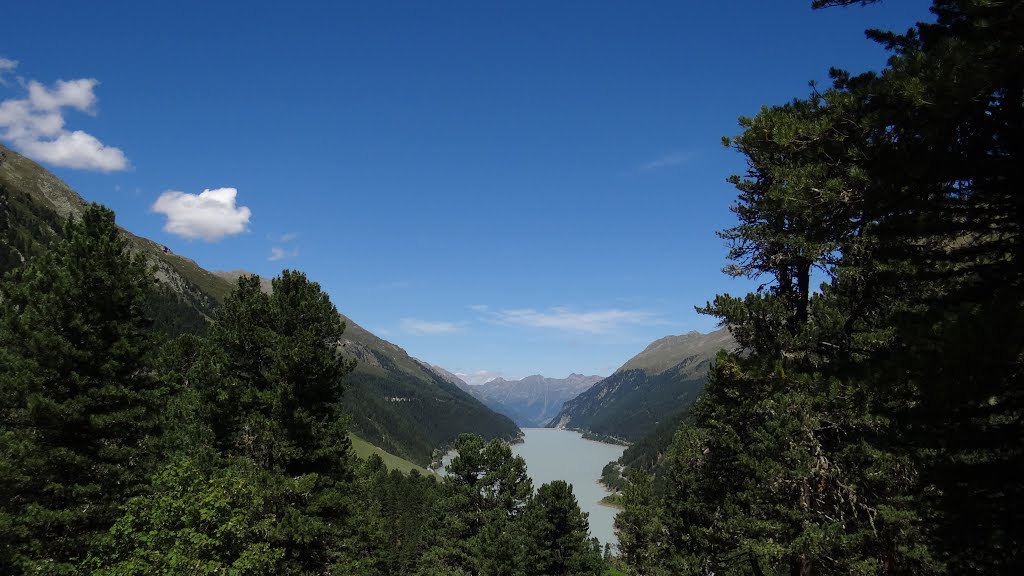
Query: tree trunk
[803,277]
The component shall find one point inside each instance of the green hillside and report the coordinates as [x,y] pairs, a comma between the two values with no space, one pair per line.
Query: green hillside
[403,405]
[393,400]
[652,388]
[363,449]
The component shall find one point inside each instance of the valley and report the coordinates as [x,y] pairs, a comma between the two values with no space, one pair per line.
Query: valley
[512,289]
[531,401]
[401,409]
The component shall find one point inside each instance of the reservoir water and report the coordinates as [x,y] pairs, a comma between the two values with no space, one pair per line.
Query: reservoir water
[553,454]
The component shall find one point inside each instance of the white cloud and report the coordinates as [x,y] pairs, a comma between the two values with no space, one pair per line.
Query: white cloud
[288,237]
[6,65]
[478,377]
[35,125]
[77,94]
[416,326]
[666,161]
[278,253]
[76,150]
[210,215]
[593,322]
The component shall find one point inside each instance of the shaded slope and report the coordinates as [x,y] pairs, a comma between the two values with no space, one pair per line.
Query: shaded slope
[652,387]
[403,405]
[406,408]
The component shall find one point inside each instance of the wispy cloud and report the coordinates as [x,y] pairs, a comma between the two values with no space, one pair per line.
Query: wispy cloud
[278,253]
[34,124]
[417,326]
[210,215]
[564,319]
[478,376]
[479,307]
[288,237]
[6,65]
[669,160]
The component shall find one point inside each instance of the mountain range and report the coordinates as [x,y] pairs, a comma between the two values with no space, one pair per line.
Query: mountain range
[532,401]
[653,387]
[395,402]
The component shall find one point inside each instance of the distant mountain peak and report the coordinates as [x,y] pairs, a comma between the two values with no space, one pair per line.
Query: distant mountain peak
[533,400]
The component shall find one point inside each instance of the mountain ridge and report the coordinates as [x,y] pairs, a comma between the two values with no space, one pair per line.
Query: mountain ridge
[531,401]
[655,385]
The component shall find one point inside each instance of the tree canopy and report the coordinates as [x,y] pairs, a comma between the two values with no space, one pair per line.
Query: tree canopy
[870,425]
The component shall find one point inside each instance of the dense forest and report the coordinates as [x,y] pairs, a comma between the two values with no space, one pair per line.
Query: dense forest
[124,453]
[871,424]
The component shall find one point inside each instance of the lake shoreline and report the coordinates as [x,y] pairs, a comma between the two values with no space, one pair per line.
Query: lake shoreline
[562,454]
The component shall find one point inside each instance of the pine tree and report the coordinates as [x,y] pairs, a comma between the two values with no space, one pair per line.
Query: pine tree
[872,426]
[559,534]
[77,395]
[282,409]
[477,526]
[639,527]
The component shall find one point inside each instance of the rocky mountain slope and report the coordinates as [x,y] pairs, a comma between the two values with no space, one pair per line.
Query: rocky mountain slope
[33,207]
[650,388]
[446,375]
[534,400]
[394,401]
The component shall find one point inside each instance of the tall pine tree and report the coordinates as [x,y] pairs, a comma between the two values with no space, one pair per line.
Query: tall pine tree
[77,395]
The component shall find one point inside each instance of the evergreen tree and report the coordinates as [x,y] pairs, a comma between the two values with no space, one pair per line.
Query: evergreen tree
[800,199]
[282,408]
[477,526]
[872,426]
[77,395]
[255,407]
[639,528]
[559,534]
[195,521]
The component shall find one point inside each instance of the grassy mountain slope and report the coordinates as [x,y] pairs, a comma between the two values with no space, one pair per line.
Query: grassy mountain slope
[363,449]
[402,405]
[394,401]
[652,387]
[534,400]
[406,408]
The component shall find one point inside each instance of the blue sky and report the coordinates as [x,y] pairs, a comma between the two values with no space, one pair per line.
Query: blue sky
[499,188]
